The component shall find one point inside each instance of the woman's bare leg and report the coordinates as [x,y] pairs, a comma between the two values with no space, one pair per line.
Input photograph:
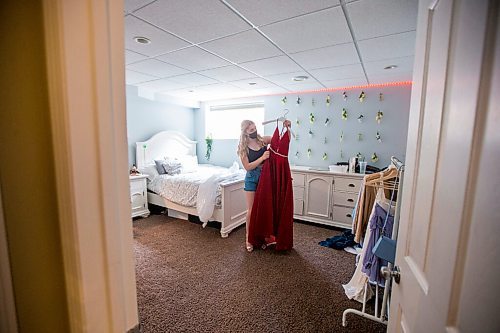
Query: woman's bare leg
[250,196]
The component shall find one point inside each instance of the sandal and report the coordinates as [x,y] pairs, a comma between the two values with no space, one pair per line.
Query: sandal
[249,247]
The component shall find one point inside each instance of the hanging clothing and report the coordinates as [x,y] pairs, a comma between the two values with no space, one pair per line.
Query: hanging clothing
[272,210]
[355,288]
[366,199]
[372,263]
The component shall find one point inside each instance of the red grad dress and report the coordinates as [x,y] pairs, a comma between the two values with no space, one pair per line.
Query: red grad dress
[272,210]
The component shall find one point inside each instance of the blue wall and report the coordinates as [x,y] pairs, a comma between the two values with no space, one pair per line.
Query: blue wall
[146,118]
[393,127]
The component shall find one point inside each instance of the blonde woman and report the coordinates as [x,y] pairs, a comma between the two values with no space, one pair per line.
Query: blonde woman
[253,152]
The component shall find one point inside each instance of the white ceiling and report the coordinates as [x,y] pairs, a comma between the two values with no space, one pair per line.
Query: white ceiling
[212,49]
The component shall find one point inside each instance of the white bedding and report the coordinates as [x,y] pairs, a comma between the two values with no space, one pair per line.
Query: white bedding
[183,188]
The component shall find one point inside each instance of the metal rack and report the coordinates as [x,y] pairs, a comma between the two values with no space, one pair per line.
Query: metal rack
[384,308]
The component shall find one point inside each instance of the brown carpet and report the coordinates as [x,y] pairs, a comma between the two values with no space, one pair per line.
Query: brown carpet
[189,279]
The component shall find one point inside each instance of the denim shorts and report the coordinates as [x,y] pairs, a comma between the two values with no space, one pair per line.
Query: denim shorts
[252,179]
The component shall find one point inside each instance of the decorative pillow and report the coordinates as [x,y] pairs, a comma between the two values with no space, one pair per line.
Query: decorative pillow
[189,163]
[159,167]
[149,170]
[171,166]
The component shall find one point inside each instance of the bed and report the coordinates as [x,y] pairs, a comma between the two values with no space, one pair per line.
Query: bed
[230,203]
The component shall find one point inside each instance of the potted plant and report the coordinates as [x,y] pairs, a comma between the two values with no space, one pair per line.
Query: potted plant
[209,141]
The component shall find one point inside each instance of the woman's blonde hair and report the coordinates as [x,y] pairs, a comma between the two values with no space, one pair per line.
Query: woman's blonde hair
[243,144]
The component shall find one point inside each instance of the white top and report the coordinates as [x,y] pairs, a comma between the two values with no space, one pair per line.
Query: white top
[325,171]
[138,176]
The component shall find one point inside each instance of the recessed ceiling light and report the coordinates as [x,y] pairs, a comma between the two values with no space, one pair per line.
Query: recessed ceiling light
[391,67]
[252,83]
[300,78]
[142,40]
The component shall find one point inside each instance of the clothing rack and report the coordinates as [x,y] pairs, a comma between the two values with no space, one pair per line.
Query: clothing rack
[384,309]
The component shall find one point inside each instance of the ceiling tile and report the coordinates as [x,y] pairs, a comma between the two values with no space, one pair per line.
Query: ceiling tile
[396,77]
[157,68]
[270,66]
[338,73]
[345,83]
[131,56]
[375,68]
[193,58]
[132,77]
[194,20]
[131,5]
[261,12]
[382,17]
[161,41]
[310,31]
[337,55]
[259,83]
[304,85]
[286,78]
[161,85]
[228,73]
[193,79]
[245,46]
[393,46]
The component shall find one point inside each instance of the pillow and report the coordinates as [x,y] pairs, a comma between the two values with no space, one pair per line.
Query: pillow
[149,170]
[171,166]
[159,167]
[189,163]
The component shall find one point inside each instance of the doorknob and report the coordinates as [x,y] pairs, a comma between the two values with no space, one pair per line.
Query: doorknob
[387,273]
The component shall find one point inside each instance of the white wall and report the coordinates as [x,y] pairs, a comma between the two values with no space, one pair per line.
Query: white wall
[147,117]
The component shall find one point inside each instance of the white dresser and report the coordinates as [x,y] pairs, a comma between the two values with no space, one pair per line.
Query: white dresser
[139,195]
[325,197]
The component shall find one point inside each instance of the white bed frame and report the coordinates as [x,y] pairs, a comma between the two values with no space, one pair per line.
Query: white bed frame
[233,211]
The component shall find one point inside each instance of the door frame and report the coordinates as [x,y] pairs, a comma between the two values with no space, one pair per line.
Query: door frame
[86,81]
[8,318]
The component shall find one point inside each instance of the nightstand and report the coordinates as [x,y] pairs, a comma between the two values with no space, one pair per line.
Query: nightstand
[139,195]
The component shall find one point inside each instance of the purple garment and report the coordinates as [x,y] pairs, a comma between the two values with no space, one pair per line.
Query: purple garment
[372,263]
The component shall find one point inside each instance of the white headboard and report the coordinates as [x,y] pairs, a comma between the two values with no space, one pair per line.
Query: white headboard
[165,143]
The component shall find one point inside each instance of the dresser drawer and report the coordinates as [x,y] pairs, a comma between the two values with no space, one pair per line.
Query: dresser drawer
[342,214]
[137,185]
[344,198]
[298,179]
[347,184]
[298,193]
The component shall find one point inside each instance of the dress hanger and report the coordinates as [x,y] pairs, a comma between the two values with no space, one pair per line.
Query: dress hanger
[387,179]
[282,118]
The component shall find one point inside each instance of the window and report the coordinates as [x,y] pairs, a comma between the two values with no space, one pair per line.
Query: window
[224,121]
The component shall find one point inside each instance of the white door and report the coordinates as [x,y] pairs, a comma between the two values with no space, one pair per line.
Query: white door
[450,222]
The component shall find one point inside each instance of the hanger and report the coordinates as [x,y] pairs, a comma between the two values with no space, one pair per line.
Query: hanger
[387,179]
[282,118]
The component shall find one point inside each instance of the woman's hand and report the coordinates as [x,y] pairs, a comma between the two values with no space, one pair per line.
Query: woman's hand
[265,156]
[287,123]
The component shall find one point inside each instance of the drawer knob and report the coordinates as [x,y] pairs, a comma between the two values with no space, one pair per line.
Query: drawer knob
[350,200]
[352,185]
[348,215]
